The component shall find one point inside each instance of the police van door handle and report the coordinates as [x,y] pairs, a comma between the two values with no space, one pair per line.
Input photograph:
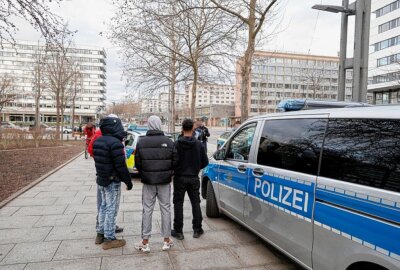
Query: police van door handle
[258,172]
[241,168]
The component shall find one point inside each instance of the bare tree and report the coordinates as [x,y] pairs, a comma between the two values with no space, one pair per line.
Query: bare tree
[76,88]
[253,14]
[145,30]
[39,82]
[59,72]
[311,79]
[169,42]
[207,39]
[7,93]
[37,13]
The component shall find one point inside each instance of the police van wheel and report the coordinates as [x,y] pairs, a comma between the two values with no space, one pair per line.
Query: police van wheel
[212,210]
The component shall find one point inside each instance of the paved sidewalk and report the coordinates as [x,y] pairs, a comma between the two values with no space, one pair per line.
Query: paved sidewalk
[51,226]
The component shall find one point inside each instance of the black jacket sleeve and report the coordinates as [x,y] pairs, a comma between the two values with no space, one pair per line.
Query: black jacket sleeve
[118,157]
[203,157]
[206,132]
[175,156]
[138,161]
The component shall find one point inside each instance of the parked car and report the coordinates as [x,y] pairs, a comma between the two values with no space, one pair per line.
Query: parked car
[7,124]
[131,141]
[222,138]
[322,186]
[42,127]
[67,130]
[135,127]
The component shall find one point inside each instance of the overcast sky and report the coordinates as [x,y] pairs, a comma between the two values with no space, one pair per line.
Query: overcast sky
[302,29]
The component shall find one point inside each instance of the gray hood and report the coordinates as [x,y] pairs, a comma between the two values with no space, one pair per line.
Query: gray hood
[154,123]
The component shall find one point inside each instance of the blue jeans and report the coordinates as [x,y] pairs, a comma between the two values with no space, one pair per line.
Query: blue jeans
[108,210]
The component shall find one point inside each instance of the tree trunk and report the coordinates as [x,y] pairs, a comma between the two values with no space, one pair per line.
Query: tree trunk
[194,92]
[58,114]
[248,59]
[37,105]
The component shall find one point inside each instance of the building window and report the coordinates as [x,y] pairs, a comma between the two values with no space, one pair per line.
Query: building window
[386,43]
[388,8]
[363,151]
[389,25]
[391,59]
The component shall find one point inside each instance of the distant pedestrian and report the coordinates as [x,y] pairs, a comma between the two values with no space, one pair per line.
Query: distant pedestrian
[155,159]
[192,158]
[111,169]
[80,130]
[202,134]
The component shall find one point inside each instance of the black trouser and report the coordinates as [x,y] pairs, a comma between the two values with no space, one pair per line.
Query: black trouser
[192,186]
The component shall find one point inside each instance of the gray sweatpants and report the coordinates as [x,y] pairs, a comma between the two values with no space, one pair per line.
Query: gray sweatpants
[149,195]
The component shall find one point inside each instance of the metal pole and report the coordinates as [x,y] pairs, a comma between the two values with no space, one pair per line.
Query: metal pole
[361,46]
[365,50]
[343,52]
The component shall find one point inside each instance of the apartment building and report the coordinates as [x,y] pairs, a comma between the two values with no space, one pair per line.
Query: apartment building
[19,62]
[278,75]
[211,94]
[384,57]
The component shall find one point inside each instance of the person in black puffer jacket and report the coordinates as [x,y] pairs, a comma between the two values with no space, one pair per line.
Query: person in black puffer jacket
[111,170]
[155,160]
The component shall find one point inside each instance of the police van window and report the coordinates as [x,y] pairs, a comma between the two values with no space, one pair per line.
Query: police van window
[239,147]
[129,140]
[292,144]
[363,151]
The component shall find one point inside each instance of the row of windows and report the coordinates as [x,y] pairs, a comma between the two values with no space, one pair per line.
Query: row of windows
[262,69]
[386,43]
[361,151]
[388,8]
[388,77]
[301,62]
[392,97]
[389,25]
[33,55]
[391,59]
[294,86]
[295,78]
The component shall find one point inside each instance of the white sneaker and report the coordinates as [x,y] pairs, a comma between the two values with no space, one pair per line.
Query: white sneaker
[144,248]
[167,245]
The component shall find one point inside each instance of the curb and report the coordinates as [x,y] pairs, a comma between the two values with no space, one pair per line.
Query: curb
[37,181]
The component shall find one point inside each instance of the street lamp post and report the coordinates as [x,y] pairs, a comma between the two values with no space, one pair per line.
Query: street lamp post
[359,63]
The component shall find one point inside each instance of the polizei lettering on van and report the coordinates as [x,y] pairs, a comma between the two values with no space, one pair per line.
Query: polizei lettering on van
[289,194]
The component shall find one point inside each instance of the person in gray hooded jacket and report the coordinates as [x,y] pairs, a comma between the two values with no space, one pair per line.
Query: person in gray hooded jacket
[155,160]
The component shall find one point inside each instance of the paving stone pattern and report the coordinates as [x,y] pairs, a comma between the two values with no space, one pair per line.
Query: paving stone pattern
[52,226]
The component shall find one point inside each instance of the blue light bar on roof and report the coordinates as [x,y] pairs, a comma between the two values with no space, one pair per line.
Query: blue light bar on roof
[291,105]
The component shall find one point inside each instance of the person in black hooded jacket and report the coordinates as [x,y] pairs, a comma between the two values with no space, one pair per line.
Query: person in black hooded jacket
[111,170]
[192,158]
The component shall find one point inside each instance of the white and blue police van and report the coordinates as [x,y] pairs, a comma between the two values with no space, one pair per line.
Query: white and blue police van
[322,186]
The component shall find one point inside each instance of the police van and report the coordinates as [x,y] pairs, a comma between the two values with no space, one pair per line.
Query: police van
[322,186]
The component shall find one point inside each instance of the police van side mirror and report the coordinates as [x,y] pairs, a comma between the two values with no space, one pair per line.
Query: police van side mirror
[220,154]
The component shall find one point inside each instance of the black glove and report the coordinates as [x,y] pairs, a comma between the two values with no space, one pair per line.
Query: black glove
[129,186]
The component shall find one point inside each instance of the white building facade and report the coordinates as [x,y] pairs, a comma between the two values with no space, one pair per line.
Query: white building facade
[384,57]
[19,62]
[278,75]
[211,94]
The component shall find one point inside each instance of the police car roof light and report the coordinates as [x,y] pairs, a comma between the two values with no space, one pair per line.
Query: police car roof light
[305,104]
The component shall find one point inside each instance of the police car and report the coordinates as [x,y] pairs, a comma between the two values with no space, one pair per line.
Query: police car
[322,186]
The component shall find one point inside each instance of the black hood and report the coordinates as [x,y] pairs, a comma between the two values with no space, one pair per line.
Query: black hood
[187,142]
[113,127]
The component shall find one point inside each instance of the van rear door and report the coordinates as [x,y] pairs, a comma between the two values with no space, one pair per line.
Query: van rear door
[357,208]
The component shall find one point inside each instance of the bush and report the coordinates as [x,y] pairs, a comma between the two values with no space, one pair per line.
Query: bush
[16,138]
